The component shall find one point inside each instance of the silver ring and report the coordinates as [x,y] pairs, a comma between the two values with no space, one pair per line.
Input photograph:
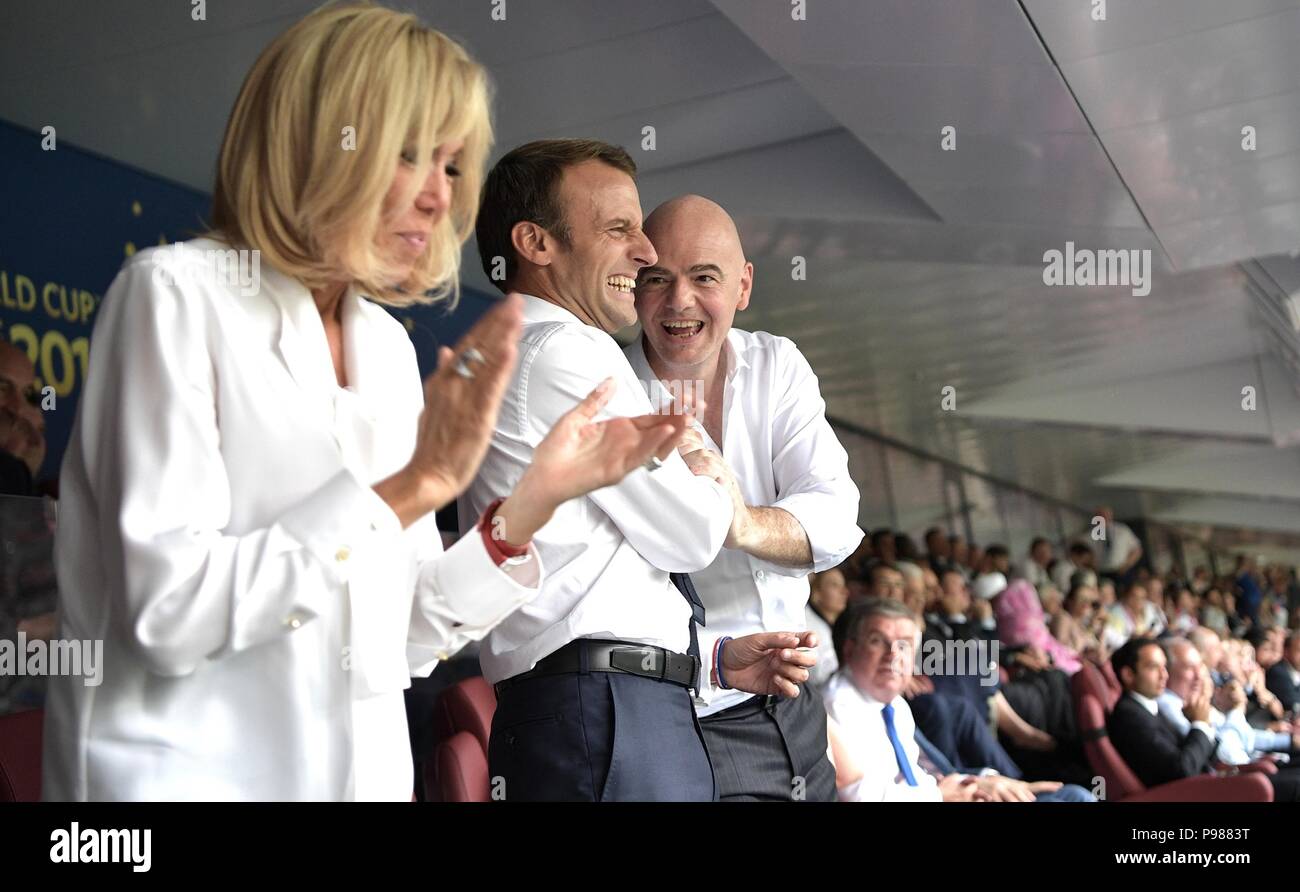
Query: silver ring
[464,359]
[653,463]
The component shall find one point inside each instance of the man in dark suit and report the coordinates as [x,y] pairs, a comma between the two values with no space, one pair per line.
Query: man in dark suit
[1156,750]
[1283,678]
[1151,747]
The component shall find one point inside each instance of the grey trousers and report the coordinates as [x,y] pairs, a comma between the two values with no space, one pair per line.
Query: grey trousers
[771,749]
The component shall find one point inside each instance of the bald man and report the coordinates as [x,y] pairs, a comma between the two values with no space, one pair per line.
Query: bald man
[22,428]
[764,437]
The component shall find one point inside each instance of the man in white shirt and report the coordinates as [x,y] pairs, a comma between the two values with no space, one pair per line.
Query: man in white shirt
[1237,740]
[881,760]
[764,438]
[594,677]
[1120,547]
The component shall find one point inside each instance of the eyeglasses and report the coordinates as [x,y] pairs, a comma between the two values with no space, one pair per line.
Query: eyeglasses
[876,641]
[30,394]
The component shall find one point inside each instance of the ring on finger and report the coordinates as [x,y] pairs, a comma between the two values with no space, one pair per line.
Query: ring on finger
[468,355]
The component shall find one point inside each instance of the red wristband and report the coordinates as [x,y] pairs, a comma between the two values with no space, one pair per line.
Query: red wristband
[498,549]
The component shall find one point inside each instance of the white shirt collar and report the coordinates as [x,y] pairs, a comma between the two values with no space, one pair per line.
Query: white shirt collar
[538,309]
[1148,704]
[733,358]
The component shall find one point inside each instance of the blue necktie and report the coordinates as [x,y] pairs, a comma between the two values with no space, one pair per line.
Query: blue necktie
[901,756]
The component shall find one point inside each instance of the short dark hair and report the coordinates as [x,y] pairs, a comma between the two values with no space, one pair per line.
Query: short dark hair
[1127,655]
[933,531]
[848,625]
[953,571]
[1080,548]
[1038,540]
[881,565]
[1077,584]
[881,534]
[995,551]
[523,187]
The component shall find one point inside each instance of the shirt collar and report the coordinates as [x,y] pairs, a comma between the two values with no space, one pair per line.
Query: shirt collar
[538,309]
[733,356]
[1148,704]
[844,679]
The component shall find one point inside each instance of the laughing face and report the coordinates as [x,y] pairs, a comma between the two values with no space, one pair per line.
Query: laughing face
[595,273]
[687,300]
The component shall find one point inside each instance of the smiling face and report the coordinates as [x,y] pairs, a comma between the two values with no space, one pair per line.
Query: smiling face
[687,300]
[1185,671]
[594,273]
[408,225]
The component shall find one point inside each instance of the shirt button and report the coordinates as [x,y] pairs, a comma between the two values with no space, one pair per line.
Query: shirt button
[760,575]
[343,553]
[294,622]
[442,655]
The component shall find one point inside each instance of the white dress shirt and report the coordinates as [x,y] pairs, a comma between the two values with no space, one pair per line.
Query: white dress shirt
[1238,742]
[608,554]
[784,454]
[1120,625]
[261,608]
[862,729]
[1153,706]
[1120,540]
[827,663]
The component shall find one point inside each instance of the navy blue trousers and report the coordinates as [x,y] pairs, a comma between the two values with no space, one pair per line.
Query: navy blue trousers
[599,737]
[961,732]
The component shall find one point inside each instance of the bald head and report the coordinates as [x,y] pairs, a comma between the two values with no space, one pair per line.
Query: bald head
[700,216]
[687,300]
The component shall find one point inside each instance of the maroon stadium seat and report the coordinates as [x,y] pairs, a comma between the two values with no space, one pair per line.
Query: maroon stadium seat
[467,705]
[458,771]
[20,756]
[1112,684]
[1122,785]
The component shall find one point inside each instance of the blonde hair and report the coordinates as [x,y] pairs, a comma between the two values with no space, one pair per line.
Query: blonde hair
[288,186]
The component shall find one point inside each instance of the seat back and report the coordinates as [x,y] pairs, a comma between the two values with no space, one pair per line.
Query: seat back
[1089,694]
[1113,687]
[458,771]
[467,705]
[21,734]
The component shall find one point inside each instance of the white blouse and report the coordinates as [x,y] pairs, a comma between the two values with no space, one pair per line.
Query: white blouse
[260,606]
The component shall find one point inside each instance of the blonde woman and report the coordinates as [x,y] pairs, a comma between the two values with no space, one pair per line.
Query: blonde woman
[248,496]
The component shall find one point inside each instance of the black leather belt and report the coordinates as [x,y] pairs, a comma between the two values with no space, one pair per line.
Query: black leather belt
[645,660]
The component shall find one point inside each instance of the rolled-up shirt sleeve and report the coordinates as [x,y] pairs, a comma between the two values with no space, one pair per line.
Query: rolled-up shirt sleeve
[811,468]
[675,520]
